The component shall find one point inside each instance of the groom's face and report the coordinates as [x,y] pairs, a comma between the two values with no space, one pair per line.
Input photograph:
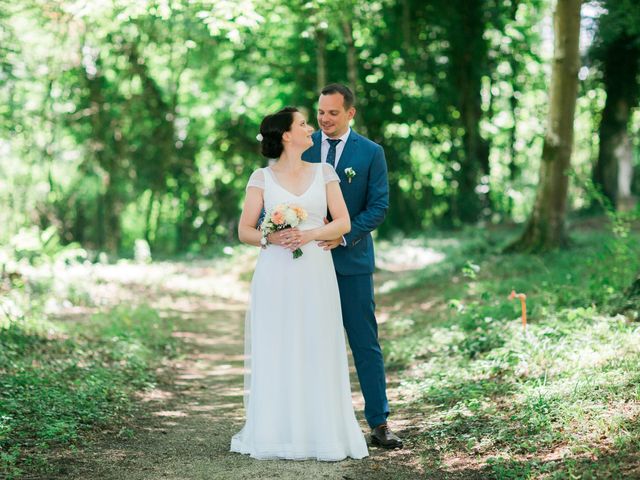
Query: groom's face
[333,118]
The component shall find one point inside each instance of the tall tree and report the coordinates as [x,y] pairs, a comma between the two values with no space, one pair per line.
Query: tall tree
[546,227]
[617,51]
[105,153]
[461,34]
[468,60]
[321,56]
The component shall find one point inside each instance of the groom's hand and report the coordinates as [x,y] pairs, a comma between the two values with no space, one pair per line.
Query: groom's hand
[330,244]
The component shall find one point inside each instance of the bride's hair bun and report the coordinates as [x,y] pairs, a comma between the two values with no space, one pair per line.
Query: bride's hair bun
[272,128]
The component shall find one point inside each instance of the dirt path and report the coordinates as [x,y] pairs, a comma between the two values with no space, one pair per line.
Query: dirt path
[184,429]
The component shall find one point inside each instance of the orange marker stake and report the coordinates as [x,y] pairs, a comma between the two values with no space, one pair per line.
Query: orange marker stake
[523,301]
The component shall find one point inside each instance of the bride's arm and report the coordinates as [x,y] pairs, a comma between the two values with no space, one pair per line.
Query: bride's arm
[247,231]
[340,224]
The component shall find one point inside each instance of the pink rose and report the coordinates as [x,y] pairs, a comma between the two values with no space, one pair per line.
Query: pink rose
[277,218]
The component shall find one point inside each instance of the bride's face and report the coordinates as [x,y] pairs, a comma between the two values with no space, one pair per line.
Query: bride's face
[300,133]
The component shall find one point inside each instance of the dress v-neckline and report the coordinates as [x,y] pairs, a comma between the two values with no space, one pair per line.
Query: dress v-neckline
[313,180]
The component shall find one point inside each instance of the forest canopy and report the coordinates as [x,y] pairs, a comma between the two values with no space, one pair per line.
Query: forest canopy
[124,121]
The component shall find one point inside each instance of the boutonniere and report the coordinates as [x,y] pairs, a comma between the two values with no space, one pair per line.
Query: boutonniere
[350,173]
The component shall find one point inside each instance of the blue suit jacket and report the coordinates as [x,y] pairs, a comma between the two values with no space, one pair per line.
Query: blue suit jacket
[366,196]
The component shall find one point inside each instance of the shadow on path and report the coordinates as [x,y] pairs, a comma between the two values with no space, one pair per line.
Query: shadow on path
[184,427]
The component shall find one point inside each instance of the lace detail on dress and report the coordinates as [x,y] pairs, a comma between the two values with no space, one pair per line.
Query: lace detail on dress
[329,173]
[256,179]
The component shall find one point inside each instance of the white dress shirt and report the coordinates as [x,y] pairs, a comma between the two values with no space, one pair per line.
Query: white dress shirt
[324,147]
[324,151]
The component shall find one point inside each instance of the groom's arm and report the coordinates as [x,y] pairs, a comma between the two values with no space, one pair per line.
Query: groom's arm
[377,201]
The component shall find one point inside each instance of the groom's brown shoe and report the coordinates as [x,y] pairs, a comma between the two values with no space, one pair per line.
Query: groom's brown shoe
[385,438]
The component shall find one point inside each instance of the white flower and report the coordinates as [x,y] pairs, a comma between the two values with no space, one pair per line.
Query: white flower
[350,173]
[259,137]
[290,217]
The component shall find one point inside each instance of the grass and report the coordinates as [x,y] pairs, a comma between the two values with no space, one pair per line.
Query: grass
[59,379]
[560,400]
[69,361]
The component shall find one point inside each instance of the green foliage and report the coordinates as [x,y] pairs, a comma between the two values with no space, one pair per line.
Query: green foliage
[36,247]
[616,275]
[58,380]
[511,398]
[143,126]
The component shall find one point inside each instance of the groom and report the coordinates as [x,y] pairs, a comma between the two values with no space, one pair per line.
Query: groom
[362,169]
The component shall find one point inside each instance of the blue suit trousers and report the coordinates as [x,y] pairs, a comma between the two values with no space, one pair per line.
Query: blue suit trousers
[358,317]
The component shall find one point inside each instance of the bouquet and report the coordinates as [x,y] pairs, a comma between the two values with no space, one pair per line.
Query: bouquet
[281,217]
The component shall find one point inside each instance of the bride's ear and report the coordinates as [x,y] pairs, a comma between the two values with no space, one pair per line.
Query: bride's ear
[286,137]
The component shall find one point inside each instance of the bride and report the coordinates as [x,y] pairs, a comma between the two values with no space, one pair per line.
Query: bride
[297,391]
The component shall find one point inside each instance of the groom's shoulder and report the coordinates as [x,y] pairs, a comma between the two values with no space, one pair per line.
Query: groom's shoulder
[365,142]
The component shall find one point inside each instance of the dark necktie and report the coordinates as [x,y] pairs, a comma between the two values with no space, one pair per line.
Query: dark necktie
[331,156]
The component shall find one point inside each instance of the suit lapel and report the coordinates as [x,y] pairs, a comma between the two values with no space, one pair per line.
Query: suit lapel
[348,154]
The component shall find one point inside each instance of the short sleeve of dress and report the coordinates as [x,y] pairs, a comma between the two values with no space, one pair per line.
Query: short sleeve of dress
[256,179]
[329,173]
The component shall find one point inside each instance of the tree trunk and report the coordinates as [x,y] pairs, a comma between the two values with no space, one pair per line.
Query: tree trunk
[614,169]
[147,221]
[113,209]
[321,55]
[546,228]
[352,56]
[157,221]
[635,288]
[406,25]
[352,70]
[101,234]
[514,170]
[631,302]
[469,57]
[107,149]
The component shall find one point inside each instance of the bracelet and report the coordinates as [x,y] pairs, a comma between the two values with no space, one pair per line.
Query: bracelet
[264,241]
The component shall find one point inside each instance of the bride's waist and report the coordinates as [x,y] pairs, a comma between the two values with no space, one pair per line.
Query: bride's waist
[303,227]
[310,224]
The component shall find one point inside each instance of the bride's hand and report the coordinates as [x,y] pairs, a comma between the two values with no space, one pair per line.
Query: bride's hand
[300,239]
[285,238]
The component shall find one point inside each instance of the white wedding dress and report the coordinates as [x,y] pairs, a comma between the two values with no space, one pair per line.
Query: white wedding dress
[297,391]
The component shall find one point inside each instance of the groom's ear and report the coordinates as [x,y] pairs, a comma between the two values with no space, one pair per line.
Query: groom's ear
[351,112]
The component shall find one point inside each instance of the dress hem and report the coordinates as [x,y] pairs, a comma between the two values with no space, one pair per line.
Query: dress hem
[283,454]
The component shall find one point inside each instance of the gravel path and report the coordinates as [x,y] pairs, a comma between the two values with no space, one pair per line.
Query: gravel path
[184,426]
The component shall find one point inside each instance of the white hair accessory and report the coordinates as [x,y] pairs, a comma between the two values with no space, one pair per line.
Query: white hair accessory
[259,137]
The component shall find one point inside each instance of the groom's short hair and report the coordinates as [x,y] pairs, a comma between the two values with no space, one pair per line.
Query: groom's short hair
[343,90]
